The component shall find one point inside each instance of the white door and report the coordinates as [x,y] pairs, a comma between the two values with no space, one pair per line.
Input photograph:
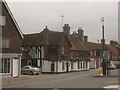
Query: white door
[15,67]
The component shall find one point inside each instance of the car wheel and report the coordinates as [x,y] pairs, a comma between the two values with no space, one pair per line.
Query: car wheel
[31,73]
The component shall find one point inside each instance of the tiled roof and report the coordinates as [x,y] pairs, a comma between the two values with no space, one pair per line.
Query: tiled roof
[74,47]
[92,46]
[77,44]
[113,49]
[54,38]
[45,37]
[33,39]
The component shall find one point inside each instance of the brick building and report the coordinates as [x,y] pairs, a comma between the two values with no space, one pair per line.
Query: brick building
[11,44]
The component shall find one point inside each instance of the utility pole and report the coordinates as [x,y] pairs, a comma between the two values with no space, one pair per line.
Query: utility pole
[103,48]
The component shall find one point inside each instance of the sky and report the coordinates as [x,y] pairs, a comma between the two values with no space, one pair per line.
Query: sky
[32,16]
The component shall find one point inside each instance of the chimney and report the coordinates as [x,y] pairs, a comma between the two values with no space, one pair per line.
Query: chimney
[46,28]
[80,33]
[66,29]
[46,34]
[85,38]
[113,43]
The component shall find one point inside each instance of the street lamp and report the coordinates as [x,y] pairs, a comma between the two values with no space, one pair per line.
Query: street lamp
[103,47]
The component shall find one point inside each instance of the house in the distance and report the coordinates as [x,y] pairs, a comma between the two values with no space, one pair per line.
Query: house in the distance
[57,52]
[48,49]
[33,49]
[11,44]
[114,54]
[79,52]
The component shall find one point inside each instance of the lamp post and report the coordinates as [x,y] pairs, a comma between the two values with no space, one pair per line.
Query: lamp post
[103,47]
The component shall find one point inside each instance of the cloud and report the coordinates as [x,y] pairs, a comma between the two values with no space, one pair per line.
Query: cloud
[33,17]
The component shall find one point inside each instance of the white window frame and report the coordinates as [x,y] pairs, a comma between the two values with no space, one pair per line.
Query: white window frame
[9,66]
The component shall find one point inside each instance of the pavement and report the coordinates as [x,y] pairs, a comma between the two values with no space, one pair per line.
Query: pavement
[112,86]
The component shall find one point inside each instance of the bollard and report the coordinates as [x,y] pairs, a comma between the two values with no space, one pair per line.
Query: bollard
[100,71]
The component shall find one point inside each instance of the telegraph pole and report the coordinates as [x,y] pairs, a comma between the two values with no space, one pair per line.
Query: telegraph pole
[103,48]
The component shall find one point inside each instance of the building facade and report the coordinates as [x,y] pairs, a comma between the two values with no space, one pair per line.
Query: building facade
[11,44]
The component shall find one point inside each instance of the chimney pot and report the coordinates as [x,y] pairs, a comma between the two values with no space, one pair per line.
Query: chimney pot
[66,29]
[67,24]
[85,38]
[113,42]
[46,28]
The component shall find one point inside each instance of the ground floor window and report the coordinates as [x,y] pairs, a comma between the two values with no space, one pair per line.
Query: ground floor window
[5,68]
[63,66]
[52,67]
[81,65]
[86,64]
[78,65]
[71,65]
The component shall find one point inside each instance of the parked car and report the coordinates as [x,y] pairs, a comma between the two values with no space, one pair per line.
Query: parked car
[118,66]
[30,70]
[112,66]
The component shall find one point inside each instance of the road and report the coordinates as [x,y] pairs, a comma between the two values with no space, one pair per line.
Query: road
[83,79]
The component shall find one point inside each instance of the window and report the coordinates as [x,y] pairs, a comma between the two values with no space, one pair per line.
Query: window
[81,65]
[78,65]
[63,50]
[5,43]
[72,54]
[77,54]
[95,53]
[91,53]
[63,66]
[5,65]
[2,20]
[52,67]
[86,64]
[71,65]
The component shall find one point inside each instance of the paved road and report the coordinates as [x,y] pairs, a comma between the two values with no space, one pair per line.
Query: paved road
[83,79]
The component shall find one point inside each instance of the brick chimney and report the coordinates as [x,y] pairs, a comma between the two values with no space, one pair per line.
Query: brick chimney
[80,33]
[66,29]
[85,38]
[113,43]
[46,28]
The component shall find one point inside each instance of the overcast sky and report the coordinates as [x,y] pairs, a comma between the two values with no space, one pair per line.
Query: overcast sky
[32,17]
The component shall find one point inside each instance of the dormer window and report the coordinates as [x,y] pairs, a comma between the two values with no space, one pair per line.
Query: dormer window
[2,20]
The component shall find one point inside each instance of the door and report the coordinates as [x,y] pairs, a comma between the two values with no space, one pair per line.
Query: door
[15,67]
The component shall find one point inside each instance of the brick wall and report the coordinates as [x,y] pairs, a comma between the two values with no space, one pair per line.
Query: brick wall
[10,32]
